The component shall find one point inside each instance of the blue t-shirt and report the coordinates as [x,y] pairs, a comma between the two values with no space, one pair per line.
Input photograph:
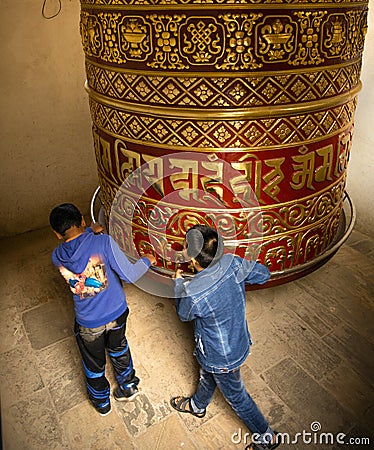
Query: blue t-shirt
[93,266]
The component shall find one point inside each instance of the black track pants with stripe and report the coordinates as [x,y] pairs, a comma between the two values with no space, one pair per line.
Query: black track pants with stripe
[93,344]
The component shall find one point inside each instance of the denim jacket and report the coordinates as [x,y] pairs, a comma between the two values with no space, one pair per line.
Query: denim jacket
[214,299]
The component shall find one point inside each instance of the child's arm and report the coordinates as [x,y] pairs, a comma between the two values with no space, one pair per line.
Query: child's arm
[184,303]
[127,271]
[151,258]
[179,291]
[258,273]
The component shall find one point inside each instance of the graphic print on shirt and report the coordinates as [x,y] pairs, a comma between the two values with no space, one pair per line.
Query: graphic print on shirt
[90,282]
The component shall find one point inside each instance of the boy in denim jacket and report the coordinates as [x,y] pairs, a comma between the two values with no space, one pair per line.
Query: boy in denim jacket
[214,299]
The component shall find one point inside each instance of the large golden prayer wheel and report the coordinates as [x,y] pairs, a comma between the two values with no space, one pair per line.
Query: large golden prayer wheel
[234,113]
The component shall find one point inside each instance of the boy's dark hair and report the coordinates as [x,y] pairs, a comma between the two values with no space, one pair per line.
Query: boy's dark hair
[204,244]
[65,216]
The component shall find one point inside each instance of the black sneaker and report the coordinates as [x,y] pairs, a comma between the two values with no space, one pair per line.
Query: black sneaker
[103,411]
[122,395]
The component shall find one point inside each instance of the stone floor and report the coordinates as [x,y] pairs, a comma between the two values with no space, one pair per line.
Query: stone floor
[311,365]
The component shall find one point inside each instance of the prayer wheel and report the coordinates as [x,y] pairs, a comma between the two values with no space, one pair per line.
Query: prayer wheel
[234,113]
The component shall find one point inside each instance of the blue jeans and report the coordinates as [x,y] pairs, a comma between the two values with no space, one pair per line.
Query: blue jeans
[232,387]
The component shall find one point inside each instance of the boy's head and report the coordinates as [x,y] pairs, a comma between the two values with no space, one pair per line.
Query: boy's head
[65,216]
[204,245]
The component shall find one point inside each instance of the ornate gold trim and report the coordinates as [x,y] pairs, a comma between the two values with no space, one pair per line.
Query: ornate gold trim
[221,92]
[207,74]
[237,134]
[161,5]
[243,113]
[233,41]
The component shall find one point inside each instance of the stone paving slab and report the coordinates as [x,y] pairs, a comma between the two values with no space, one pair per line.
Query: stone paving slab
[33,424]
[362,243]
[19,374]
[305,397]
[222,432]
[87,430]
[12,332]
[348,293]
[351,389]
[169,363]
[59,359]
[350,344]
[268,401]
[68,391]
[167,434]
[46,324]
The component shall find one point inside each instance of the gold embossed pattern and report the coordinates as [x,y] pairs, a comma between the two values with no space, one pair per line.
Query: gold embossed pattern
[232,41]
[222,92]
[228,134]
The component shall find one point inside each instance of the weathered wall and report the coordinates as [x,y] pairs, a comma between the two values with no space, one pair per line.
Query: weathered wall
[361,166]
[46,145]
[47,153]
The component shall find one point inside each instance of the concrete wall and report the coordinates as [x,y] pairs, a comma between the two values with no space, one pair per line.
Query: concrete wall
[360,185]
[46,145]
[46,148]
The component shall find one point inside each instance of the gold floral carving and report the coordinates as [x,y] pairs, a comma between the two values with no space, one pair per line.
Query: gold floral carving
[239,46]
[281,219]
[287,235]
[308,47]
[166,29]
[201,40]
[230,41]
[357,29]
[91,34]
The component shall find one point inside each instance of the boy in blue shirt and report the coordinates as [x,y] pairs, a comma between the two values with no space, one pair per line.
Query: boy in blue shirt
[214,299]
[93,266]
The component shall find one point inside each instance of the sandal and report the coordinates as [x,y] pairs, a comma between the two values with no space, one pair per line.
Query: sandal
[270,446]
[183,404]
